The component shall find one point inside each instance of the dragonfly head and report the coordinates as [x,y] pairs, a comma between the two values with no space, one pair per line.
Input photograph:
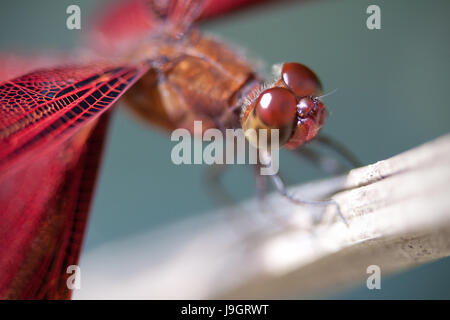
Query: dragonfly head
[290,104]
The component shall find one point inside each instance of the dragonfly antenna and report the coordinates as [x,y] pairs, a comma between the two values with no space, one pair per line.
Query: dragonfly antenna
[327,94]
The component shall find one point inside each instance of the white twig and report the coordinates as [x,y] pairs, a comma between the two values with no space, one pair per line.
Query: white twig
[398,211]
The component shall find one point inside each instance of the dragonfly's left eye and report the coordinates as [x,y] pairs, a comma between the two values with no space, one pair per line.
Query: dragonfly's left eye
[300,79]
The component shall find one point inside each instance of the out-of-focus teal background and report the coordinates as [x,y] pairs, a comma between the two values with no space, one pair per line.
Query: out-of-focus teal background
[392,95]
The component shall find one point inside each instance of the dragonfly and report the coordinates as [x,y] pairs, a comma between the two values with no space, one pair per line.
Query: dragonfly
[53,121]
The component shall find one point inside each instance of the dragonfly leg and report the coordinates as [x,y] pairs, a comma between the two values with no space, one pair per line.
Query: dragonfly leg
[262,189]
[281,188]
[326,163]
[339,148]
[261,184]
[215,187]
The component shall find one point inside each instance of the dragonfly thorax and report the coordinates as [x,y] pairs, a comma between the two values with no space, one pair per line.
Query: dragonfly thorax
[199,79]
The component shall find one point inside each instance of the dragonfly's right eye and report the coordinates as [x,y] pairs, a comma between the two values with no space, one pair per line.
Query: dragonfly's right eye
[276,107]
[300,79]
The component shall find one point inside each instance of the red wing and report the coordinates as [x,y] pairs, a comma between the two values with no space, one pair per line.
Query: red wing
[215,8]
[128,21]
[51,135]
[12,66]
[50,105]
[124,23]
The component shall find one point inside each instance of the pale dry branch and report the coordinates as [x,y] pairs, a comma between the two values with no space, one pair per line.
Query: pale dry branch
[399,215]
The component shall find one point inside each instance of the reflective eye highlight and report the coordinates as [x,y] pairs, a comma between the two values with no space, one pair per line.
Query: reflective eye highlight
[276,107]
[300,79]
[305,106]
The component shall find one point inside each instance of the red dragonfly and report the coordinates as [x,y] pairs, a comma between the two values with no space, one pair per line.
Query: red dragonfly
[53,121]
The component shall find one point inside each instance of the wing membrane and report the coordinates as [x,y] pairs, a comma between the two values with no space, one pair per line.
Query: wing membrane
[50,146]
[129,21]
[52,104]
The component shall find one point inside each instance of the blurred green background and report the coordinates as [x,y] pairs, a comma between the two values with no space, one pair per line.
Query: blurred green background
[392,95]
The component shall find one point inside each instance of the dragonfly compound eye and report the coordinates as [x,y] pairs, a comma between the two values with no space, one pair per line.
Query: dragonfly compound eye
[301,80]
[276,107]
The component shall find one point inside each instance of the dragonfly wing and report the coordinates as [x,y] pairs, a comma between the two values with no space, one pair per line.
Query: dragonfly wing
[125,23]
[50,146]
[44,107]
[128,21]
[215,8]
[12,66]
